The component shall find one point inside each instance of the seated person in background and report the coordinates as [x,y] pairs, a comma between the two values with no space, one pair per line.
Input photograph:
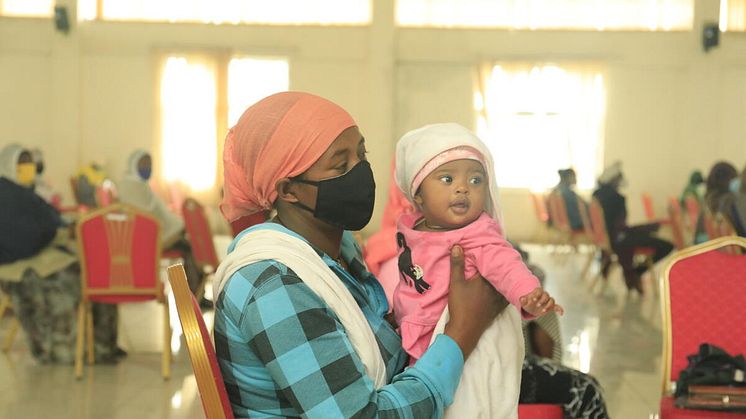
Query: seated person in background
[544,380]
[135,190]
[39,274]
[693,188]
[90,178]
[718,197]
[739,203]
[41,187]
[572,201]
[624,239]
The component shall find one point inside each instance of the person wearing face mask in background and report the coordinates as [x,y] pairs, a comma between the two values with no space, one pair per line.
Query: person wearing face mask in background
[89,178]
[695,188]
[624,239]
[39,272]
[135,190]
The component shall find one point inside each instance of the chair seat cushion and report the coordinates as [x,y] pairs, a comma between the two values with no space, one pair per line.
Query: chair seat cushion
[670,411]
[539,411]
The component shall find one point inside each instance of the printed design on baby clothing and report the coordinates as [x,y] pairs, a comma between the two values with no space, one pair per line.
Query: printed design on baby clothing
[410,273]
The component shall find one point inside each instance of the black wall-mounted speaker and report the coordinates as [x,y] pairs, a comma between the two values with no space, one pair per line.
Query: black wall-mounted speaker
[61,21]
[710,36]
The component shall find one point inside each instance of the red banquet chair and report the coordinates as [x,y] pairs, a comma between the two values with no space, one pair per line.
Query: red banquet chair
[676,223]
[540,411]
[700,303]
[119,260]
[692,211]
[200,239]
[243,223]
[210,383]
[647,205]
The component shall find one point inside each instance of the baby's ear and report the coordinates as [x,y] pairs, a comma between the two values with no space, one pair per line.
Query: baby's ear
[418,200]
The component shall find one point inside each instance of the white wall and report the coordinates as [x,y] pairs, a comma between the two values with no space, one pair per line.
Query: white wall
[90,94]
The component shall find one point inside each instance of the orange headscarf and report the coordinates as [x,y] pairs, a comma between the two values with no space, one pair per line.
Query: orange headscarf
[280,136]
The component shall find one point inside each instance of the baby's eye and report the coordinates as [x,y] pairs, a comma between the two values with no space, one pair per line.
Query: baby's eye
[475,180]
[446,179]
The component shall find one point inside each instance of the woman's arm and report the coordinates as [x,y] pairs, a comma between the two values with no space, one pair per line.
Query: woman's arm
[472,304]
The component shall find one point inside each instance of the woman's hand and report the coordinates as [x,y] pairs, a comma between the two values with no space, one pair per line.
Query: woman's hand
[473,305]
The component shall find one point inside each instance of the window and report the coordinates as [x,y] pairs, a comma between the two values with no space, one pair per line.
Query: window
[244,88]
[26,8]
[537,119]
[732,15]
[651,15]
[193,116]
[277,12]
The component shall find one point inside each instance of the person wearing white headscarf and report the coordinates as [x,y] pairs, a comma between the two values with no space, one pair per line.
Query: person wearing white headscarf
[135,190]
[38,272]
[624,239]
[448,175]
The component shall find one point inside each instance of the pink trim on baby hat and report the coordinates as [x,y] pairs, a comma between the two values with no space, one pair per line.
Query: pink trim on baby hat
[457,153]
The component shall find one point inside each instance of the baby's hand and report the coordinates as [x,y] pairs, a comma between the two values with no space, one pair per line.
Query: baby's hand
[538,302]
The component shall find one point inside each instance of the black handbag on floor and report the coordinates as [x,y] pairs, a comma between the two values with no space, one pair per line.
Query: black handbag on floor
[713,380]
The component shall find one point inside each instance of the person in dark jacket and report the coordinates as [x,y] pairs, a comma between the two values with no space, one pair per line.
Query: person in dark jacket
[624,239]
[41,277]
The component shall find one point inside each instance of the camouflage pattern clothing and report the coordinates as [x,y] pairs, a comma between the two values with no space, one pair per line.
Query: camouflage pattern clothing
[47,310]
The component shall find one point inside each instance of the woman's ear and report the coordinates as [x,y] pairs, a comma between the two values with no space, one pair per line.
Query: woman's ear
[286,190]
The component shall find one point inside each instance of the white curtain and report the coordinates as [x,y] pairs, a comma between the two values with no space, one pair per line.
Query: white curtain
[733,15]
[332,12]
[201,95]
[538,118]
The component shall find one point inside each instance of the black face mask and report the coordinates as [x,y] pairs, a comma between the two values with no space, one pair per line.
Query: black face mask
[345,201]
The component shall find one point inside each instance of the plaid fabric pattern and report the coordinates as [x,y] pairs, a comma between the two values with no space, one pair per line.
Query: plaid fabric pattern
[284,353]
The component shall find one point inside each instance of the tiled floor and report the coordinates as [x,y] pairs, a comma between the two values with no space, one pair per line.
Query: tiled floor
[614,336]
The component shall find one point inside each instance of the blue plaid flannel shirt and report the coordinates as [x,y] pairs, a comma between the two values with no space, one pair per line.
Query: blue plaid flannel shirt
[284,353]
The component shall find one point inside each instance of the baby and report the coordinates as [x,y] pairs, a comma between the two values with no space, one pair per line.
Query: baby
[447,173]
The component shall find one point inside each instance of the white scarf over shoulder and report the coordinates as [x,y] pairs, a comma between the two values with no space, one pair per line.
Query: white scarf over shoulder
[296,254]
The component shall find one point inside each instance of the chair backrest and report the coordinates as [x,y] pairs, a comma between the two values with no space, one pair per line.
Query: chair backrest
[540,207]
[692,210]
[243,223]
[558,211]
[200,236]
[647,205]
[106,194]
[119,252]
[677,223]
[210,383]
[600,235]
[701,301]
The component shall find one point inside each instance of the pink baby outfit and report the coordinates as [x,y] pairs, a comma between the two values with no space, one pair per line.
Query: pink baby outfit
[485,251]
